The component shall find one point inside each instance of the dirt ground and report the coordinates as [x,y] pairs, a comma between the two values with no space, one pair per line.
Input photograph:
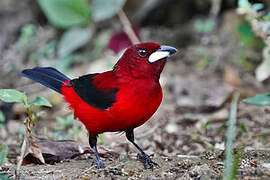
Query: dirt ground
[253,165]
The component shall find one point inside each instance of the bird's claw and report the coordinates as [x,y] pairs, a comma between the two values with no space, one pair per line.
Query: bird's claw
[99,164]
[147,162]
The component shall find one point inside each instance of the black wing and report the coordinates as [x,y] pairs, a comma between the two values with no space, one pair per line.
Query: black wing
[84,87]
[47,76]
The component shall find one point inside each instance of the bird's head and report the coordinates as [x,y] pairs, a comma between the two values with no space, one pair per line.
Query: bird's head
[144,60]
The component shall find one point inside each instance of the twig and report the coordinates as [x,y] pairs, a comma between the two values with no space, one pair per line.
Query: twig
[231,161]
[23,149]
[128,27]
[215,8]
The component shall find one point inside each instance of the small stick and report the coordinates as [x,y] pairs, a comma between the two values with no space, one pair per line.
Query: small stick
[128,27]
[23,149]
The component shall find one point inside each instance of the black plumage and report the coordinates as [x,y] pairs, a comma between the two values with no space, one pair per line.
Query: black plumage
[85,88]
[47,76]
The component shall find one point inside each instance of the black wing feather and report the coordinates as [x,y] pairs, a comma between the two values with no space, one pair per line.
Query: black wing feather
[85,88]
[46,76]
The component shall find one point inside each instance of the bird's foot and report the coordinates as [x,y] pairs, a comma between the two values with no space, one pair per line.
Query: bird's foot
[99,164]
[146,160]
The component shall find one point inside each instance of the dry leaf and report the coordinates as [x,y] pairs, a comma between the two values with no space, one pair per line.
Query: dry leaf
[231,77]
[56,151]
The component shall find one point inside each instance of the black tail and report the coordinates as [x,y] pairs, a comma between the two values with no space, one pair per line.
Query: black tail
[47,76]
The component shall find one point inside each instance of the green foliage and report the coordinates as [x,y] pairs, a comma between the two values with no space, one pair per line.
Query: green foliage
[75,16]
[4,177]
[246,5]
[204,26]
[26,36]
[259,100]
[2,119]
[243,3]
[246,34]
[40,101]
[266,17]
[244,128]
[65,129]
[45,52]
[3,153]
[231,163]
[204,61]
[101,138]
[66,13]
[104,9]
[32,110]
[64,63]
[64,123]
[72,40]
[208,124]
[11,96]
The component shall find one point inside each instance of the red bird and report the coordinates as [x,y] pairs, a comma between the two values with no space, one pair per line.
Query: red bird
[117,100]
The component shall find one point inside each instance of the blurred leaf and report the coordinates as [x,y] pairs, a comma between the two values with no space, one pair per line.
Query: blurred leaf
[56,151]
[243,4]
[259,100]
[244,127]
[63,63]
[203,63]
[64,123]
[4,177]
[204,26]
[40,101]
[266,17]
[74,132]
[101,138]
[263,70]
[2,117]
[257,6]
[3,153]
[73,39]
[45,52]
[230,162]
[120,41]
[66,13]
[11,95]
[246,33]
[104,9]
[26,36]
[100,42]
[208,124]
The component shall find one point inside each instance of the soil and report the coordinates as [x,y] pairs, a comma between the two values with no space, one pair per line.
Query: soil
[253,165]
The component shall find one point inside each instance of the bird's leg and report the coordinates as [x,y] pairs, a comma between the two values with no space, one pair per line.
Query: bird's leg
[93,144]
[143,157]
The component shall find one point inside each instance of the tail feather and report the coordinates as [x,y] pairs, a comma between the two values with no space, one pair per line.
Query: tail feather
[47,76]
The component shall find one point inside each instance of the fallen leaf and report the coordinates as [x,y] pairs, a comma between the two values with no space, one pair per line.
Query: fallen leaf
[56,151]
[120,41]
[33,148]
[231,77]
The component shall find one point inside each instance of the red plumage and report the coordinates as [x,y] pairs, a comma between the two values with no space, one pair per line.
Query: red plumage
[117,100]
[138,97]
[136,102]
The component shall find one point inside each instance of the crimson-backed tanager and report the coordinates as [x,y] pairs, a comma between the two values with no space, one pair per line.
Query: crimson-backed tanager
[113,101]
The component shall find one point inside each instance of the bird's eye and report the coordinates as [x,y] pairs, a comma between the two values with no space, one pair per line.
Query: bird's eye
[142,52]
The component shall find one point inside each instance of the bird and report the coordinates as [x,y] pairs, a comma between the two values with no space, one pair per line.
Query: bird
[118,100]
